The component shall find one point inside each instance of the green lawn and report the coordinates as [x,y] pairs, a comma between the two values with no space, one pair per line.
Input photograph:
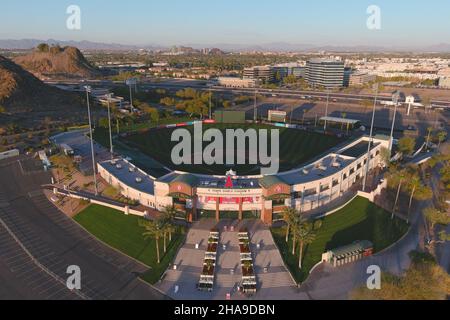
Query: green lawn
[296,148]
[124,234]
[360,220]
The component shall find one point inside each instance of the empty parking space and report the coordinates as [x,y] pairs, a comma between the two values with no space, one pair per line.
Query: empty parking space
[56,242]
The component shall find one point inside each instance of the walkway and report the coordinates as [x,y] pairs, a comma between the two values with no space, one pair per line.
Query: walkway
[189,264]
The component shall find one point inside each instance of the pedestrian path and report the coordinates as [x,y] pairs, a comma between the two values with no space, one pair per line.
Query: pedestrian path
[180,281]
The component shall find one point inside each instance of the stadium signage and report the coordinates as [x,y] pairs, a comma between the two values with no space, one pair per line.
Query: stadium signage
[228,192]
[230,149]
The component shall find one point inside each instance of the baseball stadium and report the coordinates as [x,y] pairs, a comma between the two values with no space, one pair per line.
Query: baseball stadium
[315,169]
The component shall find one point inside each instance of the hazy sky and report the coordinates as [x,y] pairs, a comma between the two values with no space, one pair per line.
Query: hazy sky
[169,22]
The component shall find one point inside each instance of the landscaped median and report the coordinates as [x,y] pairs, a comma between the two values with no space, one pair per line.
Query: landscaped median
[359,220]
[123,233]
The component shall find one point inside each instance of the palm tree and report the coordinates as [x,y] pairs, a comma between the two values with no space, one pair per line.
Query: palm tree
[397,196]
[153,230]
[430,131]
[247,264]
[435,217]
[288,217]
[441,137]
[417,190]
[396,176]
[168,216]
[164,229]
[343,115]
[296,224]
[305,235]
[209,264]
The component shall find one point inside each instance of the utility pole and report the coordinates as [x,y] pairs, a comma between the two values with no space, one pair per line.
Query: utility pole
[326,110]
[109,96]
[292,112]
[130,82]
[395,100]
[88,89]
[255,116]
[370,138]
[131,98]
[210,104]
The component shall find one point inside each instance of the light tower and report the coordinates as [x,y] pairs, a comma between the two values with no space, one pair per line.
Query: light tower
[326,110]
[370,137]
[131,82]
[395,99]
[88,90]
[255,115]
[109,96]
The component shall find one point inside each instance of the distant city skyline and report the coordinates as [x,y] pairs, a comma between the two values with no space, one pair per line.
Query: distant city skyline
[404,23]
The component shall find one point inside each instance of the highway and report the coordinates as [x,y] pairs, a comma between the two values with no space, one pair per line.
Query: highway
[281,93]
[312,104]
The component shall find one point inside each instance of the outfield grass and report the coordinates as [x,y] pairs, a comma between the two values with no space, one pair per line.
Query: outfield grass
[296,148]
[360,220]
[123,233]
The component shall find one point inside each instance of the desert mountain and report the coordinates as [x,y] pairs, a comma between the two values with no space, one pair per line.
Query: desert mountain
[22,92]
[46,61]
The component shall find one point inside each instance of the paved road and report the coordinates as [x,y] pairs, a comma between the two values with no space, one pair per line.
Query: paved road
[442,250]
[56,242]
[290,93]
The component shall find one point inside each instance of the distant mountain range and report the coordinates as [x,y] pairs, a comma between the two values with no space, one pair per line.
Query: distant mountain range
[26,44]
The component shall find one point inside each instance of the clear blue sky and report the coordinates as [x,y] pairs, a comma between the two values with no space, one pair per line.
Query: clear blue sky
[170,22]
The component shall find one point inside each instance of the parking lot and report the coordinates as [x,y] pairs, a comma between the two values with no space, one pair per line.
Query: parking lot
[33,228]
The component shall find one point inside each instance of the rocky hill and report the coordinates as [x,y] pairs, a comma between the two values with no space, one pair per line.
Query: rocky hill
[54,62]
[22,93]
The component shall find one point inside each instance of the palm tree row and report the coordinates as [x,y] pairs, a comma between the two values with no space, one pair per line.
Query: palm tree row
[300,229]
[409,180]
[162,227]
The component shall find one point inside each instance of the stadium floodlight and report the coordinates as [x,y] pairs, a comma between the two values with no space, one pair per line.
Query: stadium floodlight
[326,110]
[395,99]
[210,104]
[255,115]
[88,90]
[375,87]
[131,82]
[109,97]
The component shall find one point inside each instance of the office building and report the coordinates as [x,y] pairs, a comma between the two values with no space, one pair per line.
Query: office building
[325,73]
[233,82]
[265,74]
[360,78]
[289,69]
